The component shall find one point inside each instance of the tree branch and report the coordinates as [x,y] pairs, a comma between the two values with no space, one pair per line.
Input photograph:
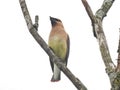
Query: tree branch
[96,20]
[116,80]
[118,60]
[89,11]
[33,30]
[36,22]
[97,26]
[102,12]
[91,15]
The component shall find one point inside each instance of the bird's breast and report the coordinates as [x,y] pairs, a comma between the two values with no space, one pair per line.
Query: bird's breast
[58,45]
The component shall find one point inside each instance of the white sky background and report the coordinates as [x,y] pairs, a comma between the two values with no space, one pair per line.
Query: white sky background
[25,66]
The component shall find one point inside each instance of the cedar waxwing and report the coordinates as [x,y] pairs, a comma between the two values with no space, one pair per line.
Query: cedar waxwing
[59,44]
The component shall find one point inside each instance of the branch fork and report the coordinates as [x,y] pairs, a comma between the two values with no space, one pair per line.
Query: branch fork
[112,70]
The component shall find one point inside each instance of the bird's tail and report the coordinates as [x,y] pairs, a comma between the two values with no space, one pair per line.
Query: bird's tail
[56,74]
[53,79]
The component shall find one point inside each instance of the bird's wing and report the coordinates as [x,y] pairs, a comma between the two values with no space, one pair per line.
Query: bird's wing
[68,49]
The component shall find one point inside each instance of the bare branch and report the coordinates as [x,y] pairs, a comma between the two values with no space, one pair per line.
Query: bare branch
[103,46]
[102,12]
[36,22]
[78,84]
[89,11]
[118,60]
[90,14]
[98,30]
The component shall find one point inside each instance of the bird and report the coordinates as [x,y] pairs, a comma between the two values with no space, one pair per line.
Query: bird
[59,43]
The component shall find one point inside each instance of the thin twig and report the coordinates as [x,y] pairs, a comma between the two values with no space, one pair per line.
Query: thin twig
[91,15]
[36,22]
[89,11]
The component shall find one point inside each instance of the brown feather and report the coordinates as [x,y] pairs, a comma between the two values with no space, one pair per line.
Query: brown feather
[59,42]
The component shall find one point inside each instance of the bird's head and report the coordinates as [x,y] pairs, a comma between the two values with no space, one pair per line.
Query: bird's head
[54,21]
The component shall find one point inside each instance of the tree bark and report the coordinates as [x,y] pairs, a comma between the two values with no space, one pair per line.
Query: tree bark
[112,71]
